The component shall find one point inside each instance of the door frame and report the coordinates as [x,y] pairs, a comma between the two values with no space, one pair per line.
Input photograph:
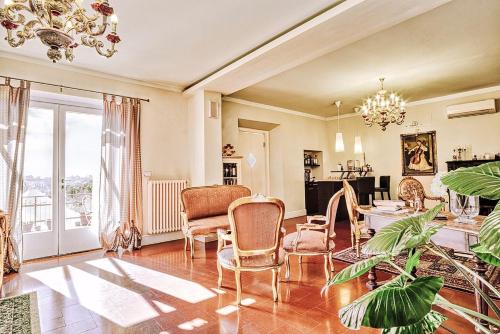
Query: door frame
[266,149]
[60,104]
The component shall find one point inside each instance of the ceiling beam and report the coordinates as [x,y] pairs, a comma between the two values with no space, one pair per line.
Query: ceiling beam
[330,30]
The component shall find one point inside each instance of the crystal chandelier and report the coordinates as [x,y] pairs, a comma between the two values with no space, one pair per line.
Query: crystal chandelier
[61,25]
[383,108]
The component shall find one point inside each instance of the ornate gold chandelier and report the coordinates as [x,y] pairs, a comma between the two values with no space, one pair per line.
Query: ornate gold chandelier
[383,108]
[59,24]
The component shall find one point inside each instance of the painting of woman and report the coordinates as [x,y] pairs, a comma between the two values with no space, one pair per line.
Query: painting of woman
[419,154]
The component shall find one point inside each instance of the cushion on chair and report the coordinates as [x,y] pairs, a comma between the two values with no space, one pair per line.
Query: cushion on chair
[310,241]
[208,225]
[226,258]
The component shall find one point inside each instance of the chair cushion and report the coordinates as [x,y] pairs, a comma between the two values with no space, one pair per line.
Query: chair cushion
[208,225]
[310,241]
[226,258]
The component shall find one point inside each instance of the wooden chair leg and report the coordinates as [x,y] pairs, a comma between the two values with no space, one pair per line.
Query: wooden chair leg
[327,271]
[219,270]
[382,195]
[191,246]
[287,267]
[275,284]
[330,258]
[185,244]
[357,248]
[237,276]
[352,238]
[389,194]
[300,259]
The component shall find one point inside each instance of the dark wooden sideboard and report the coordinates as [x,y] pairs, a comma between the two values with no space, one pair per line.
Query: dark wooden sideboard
[318,195]
[485,205]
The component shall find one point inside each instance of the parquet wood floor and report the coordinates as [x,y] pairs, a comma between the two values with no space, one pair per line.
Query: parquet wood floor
[159,290]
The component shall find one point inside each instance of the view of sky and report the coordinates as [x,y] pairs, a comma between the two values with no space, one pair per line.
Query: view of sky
[83,143]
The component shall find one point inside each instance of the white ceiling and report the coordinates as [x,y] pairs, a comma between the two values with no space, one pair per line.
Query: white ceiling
[181,41]
[450,49]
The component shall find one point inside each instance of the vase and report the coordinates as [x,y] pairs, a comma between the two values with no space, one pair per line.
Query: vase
[464,207]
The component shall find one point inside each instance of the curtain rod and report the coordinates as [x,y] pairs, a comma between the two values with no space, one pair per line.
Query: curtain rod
[73,88]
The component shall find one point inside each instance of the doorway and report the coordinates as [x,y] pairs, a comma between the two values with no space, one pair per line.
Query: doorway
[59,202]
[254,147]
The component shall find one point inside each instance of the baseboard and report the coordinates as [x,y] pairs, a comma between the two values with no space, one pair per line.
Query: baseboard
[152,239]
[297,213]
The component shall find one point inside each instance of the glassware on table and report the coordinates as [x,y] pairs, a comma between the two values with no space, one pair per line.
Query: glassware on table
[464,207]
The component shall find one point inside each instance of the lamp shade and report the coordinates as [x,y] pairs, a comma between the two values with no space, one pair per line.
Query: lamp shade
[339,142]
[358,147]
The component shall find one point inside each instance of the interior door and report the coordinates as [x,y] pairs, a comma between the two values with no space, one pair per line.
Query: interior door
[61,180]
[79,169]
[253,148]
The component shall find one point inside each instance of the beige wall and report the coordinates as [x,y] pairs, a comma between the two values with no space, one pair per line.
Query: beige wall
[163,120]
[286,145]
[383,149]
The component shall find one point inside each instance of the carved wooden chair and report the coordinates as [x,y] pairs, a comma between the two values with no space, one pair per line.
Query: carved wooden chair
[314,239]
[358,229]
[256,235]
[409,186]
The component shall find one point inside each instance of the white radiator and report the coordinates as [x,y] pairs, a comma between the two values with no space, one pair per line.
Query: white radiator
[164,205]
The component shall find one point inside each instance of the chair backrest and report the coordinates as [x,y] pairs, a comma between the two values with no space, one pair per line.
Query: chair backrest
[351,201]
[408,188]
[331,211]
[256,225]
[385,181]
[209,201]
[366,184]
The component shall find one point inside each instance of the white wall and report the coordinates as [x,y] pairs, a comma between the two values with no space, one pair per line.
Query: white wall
[287,143]
[163,120]
[383,149]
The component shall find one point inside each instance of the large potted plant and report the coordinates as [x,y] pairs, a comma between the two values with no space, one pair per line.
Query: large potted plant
[405,303]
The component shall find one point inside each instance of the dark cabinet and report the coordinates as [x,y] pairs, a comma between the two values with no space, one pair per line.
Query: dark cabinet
[318,195]
[312,198]
[485,205]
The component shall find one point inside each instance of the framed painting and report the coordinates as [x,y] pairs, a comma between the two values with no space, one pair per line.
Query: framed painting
[419,156]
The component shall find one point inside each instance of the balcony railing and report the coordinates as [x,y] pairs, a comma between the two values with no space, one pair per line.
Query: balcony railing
[36,211]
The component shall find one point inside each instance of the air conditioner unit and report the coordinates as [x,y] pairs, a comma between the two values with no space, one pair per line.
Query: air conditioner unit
[471,109]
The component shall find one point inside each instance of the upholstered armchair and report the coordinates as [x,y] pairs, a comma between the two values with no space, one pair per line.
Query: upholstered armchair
[314,239]
[410,187]
[256,237]
[358,229]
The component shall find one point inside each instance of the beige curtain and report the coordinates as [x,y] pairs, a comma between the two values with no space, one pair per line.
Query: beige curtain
[120,208]
[14,103]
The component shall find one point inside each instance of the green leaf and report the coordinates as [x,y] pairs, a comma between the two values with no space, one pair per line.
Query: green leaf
[393,305]
[389,240]
[427,325]
[489,236]
[485,255]
[483,180]
[357,269]
[413,261]
[424,237]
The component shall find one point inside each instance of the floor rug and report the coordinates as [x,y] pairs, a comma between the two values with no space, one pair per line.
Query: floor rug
[430,264]
[19,314]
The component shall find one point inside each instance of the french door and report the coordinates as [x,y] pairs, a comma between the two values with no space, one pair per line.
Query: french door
[59,203]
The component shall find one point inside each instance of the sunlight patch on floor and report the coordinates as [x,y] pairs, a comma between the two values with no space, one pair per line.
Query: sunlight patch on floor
[113,302]
[192,324]
[185,290]
[227,309]
[163,307]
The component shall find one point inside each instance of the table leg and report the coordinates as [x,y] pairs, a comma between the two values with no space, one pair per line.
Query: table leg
[481,306]
[372,273]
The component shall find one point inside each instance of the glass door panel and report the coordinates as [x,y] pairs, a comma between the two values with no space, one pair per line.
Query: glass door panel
[38,200]
[79,174]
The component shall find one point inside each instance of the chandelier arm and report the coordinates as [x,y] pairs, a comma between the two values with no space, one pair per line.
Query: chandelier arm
[99,46]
